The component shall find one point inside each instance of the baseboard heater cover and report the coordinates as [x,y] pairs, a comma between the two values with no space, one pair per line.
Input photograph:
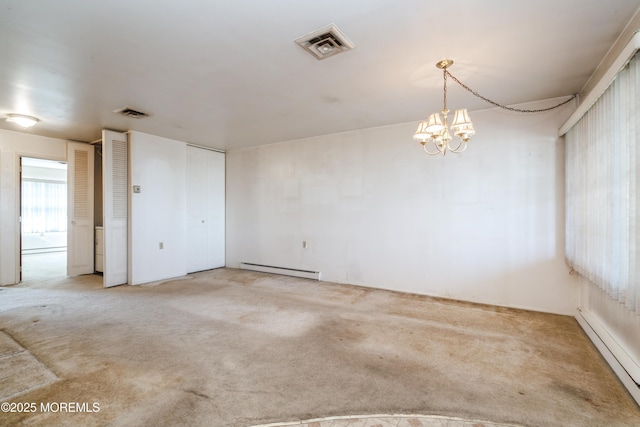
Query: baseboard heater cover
[306,274]
[621,364]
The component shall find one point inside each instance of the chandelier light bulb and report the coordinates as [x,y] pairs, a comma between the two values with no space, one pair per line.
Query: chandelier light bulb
[462,126]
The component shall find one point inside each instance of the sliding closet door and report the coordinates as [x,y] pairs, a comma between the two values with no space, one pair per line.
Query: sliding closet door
[115,189]
[205,209]
[80,244]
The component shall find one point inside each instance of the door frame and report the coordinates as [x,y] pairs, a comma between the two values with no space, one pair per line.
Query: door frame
[18,195]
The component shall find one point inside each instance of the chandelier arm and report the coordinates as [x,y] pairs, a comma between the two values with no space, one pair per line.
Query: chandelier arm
[504,107]
[424,147]
[462,145]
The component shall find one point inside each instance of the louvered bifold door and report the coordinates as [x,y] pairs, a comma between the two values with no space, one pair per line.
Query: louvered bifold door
[80,245]
[115,198]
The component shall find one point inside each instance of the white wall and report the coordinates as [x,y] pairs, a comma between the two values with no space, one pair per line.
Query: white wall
[13,145]
[158,212]
[486,225]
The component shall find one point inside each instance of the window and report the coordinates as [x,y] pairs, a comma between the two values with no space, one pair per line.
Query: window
[602,199]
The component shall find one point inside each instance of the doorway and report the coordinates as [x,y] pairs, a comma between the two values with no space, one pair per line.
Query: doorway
[43,214]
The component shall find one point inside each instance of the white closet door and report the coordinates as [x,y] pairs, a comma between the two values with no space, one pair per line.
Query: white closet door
[80,245]
[115,197]
[197,236]
[216,208]
[205,209]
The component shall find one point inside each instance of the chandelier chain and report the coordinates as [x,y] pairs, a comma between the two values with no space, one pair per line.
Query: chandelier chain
[504,107]
[444,72]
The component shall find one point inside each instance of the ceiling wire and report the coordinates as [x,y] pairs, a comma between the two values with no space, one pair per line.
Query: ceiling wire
[504,107]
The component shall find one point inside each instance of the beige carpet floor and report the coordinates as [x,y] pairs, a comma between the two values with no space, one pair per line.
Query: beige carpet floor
[237,348]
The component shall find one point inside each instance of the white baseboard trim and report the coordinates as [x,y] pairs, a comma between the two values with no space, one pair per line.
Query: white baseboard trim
[305,274]
[624,367]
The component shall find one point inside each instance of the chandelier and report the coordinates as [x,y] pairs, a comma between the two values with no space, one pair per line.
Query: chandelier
[435,134]
[435,130]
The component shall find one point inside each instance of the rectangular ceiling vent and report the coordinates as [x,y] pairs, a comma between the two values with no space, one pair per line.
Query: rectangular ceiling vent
[131,113]
[325,42]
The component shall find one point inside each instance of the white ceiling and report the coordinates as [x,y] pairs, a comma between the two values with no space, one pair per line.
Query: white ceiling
[228,74]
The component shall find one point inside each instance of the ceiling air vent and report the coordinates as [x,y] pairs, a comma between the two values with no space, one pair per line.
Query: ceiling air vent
[131,113]
[325,42]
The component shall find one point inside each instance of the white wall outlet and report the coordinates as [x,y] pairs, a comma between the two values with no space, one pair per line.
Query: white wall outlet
[136,189]
[161,245]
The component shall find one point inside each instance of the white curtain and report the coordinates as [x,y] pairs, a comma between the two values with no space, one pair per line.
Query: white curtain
[602,162]
[44,206]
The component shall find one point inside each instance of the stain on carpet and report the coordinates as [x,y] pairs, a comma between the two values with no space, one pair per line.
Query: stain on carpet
[20,371]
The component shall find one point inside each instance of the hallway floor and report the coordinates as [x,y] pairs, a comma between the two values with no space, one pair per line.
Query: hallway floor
[236,348]
[44,266]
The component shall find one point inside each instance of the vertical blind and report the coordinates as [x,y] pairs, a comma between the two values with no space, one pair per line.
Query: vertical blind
[44,206]
[602,200]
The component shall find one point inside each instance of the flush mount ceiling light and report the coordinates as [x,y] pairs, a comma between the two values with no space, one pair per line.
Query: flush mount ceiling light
[22,120]
[325,42]
[435,130]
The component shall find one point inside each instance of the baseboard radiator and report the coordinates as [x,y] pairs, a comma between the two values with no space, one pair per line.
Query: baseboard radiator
[622,364]
[306,274]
